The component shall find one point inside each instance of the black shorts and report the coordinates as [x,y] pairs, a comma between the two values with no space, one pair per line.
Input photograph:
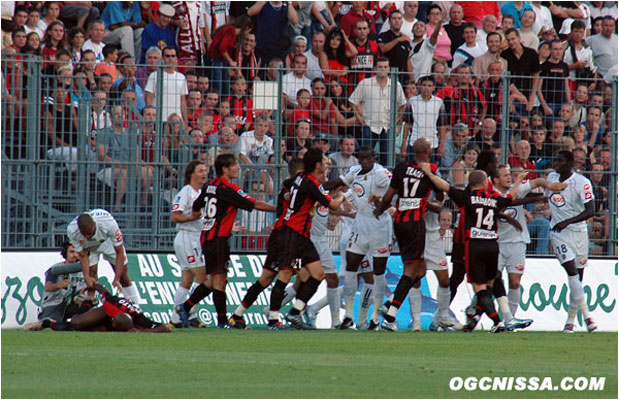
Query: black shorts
[295,250]
[271,261]
[216,255]
[457,253]
[411,237]
[481,258]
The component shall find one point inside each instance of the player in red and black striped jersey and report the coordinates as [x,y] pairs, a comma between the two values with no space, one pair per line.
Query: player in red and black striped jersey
[271,267]
[116,313]
[306,191]
[218,202]
[362,65]
[481,208]
[413,188]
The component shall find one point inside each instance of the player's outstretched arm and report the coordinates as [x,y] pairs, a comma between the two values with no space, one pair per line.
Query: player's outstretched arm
[336,201]
[583,216]
[516,188]
[435,207]
[554,186]
[264,206]
[439,183]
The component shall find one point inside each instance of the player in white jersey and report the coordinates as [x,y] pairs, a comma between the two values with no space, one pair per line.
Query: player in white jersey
[569,211]
[436,260]
[187,245]
[369,235]
[513,243]
[95,233]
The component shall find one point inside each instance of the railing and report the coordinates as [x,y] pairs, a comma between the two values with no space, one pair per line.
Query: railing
[61,158]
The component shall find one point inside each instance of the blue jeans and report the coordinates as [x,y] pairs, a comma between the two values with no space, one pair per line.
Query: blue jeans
[219,76]
[539,229]
[370,139]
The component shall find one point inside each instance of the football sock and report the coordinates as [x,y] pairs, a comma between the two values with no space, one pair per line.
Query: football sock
[504,307]
[380,287]
[250,297]
[399,295]
[180,295]
[577,296]
[131,292]
[456,278]
[443,296]
[219,299]
[321,303]
[365,300]
[514,300]
[289,294]
[333,299]
[414,298]
[200,293]
[277,294]
[350,289]
[484,301]
[306,291]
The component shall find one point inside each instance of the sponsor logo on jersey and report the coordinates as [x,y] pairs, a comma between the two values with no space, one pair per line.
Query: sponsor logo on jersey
[191,259]
[511,212]
[119,235]
[176,206]
[322,211]
[242,193]
[358,188]
[588,193]
[557,200]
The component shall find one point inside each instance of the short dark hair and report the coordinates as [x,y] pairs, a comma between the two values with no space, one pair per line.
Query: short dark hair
[224,160]
[432,7]
[427,78]
[301,91]
[608,18]
[64,249]
[492,34]
[512,30]
[577,24]
[381,59]
[569,157]
[469,25]
[509,16]
[395,12]
[295,164]
[109,49]
[313,156]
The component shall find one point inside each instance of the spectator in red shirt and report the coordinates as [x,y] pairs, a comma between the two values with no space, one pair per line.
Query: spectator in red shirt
[240,104]
[301,110]
[322,110]
[335,60]
[523,151]
[55,38]
[194,107]
[356,13]
[474,11]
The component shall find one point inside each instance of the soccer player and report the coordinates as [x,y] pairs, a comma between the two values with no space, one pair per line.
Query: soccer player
[569,211]
[513,242]
[480,208]
[413,188]
[219,200]
[118,314]
[187,241]
[63,283]
[270,269]
[295,242]
[434,256]
[370,236]
[95,233]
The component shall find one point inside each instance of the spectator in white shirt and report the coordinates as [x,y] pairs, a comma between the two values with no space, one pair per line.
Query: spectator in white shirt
[604,46]
[543,17]
[174,87]
[470,50]
[422,50]
[95,43]
[295,80]
[528,36]
[255,147]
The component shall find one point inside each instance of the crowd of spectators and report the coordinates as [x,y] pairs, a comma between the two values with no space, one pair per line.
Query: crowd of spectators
[336,59]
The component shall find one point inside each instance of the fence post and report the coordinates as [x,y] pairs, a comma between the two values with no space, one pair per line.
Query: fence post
[277,143]
[612,197]
[393,76]
[159,138]
[33,139]
[505,118]
[83,139]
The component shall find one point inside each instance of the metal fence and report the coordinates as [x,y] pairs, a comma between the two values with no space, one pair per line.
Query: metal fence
[69,146]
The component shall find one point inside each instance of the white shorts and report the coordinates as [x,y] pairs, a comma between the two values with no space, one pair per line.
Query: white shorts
[365,266]
[188,250]
[107,251]
[512,256]
[371,237]
[571,245]
[326,255]
[434,253]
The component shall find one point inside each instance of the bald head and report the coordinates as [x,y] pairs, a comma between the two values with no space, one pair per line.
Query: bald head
[85,223]
[123,322]
[422,146]
[477,179]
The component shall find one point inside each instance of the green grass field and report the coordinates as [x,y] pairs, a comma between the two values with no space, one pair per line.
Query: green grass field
[209,363]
